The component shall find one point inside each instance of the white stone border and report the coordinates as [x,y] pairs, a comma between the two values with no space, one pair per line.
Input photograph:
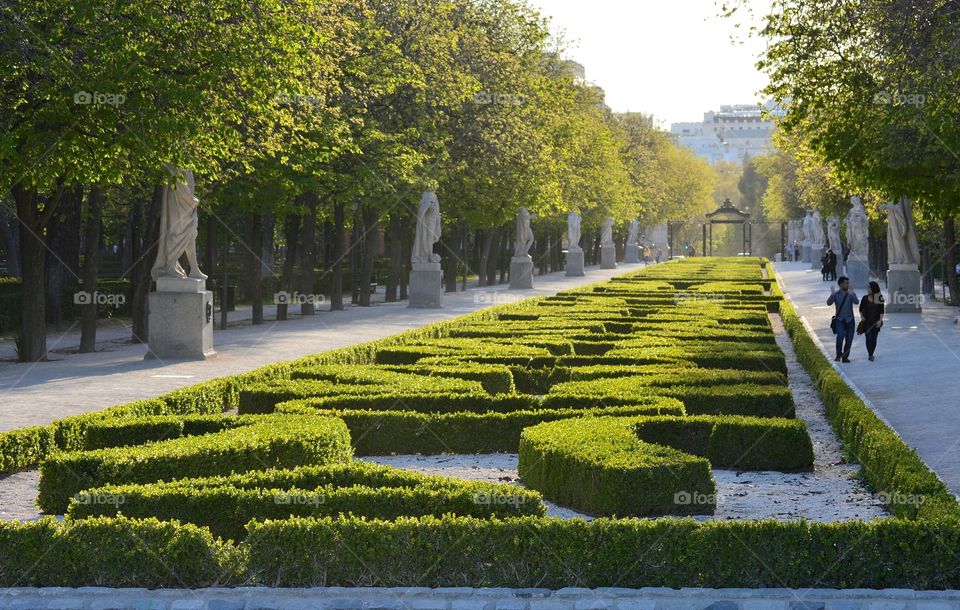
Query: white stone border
[464,598]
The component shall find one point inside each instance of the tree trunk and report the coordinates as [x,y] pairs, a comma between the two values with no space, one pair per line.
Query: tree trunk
[210,249]
[291,235]
[486,253]
[448,244]
[336,269]
[950,258]
[91,262]
[504,259]
[371,226]
[356,233]
[33,319]
[266,246]
[10,240]
[464,254]
[308,239]
[254,266]
[406,247]
[143,267]
[63,254]
[395,247]
[225,288]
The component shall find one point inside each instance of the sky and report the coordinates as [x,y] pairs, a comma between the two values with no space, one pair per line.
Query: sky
[670,58]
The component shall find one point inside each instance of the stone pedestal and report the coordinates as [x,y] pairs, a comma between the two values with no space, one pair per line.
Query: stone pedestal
[521,273]
[608,257]
[426,286]
[631,254]
[575,263]
[858,270]
[805,253]
[815,263]
[903,286]
[180,319]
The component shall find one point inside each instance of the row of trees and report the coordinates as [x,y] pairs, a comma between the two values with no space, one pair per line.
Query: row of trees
[304,120]
[869,89]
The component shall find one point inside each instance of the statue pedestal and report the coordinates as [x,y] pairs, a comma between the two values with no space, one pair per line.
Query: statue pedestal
[575,263]
[631,254]
[858,270]
[521,273]
[903,286]
[180,320]
[805,253]
[426,286]
[608,256]
[815,263]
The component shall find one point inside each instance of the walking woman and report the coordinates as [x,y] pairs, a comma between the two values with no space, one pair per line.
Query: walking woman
[871,317]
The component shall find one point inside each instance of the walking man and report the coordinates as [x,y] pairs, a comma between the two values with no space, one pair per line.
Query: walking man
[844,323]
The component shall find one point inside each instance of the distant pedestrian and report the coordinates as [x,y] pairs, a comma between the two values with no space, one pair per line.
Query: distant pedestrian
[796,252]
[871,318]
[843,323]
[824,266]
[831,265]
[659,254]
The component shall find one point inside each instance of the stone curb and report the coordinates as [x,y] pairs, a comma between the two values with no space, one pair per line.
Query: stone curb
[462,598]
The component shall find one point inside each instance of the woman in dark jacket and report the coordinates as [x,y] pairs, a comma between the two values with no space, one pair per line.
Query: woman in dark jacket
[871,314]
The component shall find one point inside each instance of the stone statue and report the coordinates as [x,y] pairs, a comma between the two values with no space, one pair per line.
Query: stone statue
[818,239]
[902,247]
[606,232]
[524,234]
[428,230]
[178,228]
[858,230]
[807,229]
[573,232]
[833,235]
[633,236]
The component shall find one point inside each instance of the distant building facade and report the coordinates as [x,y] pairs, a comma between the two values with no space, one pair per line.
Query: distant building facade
[729,134]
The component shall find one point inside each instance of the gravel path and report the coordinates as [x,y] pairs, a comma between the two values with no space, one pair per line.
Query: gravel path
[18,494]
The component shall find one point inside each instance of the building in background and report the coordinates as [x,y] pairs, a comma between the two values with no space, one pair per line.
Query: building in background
[729,134]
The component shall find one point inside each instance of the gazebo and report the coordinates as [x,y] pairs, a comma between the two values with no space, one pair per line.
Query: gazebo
[727,214]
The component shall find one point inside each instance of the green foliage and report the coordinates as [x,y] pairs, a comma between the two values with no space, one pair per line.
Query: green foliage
[274,442]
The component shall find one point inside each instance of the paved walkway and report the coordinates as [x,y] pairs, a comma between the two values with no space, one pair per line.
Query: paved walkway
[38,393]
[914,384]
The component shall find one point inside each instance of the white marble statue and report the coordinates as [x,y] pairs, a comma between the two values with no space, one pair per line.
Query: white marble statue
[606,232]
[633,236]
[818,239]
[524,234]
[807,233]
[902,246]
[833,235]
[428,230]
[573,232]
[178,228]
[858,229]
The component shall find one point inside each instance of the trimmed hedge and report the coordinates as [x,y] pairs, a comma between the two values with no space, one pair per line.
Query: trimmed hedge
[263,397]
[422,403]
[114,553]
[598,465]
[274,442]
[410,432]
[634,553]
[227,509]
[495,378]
